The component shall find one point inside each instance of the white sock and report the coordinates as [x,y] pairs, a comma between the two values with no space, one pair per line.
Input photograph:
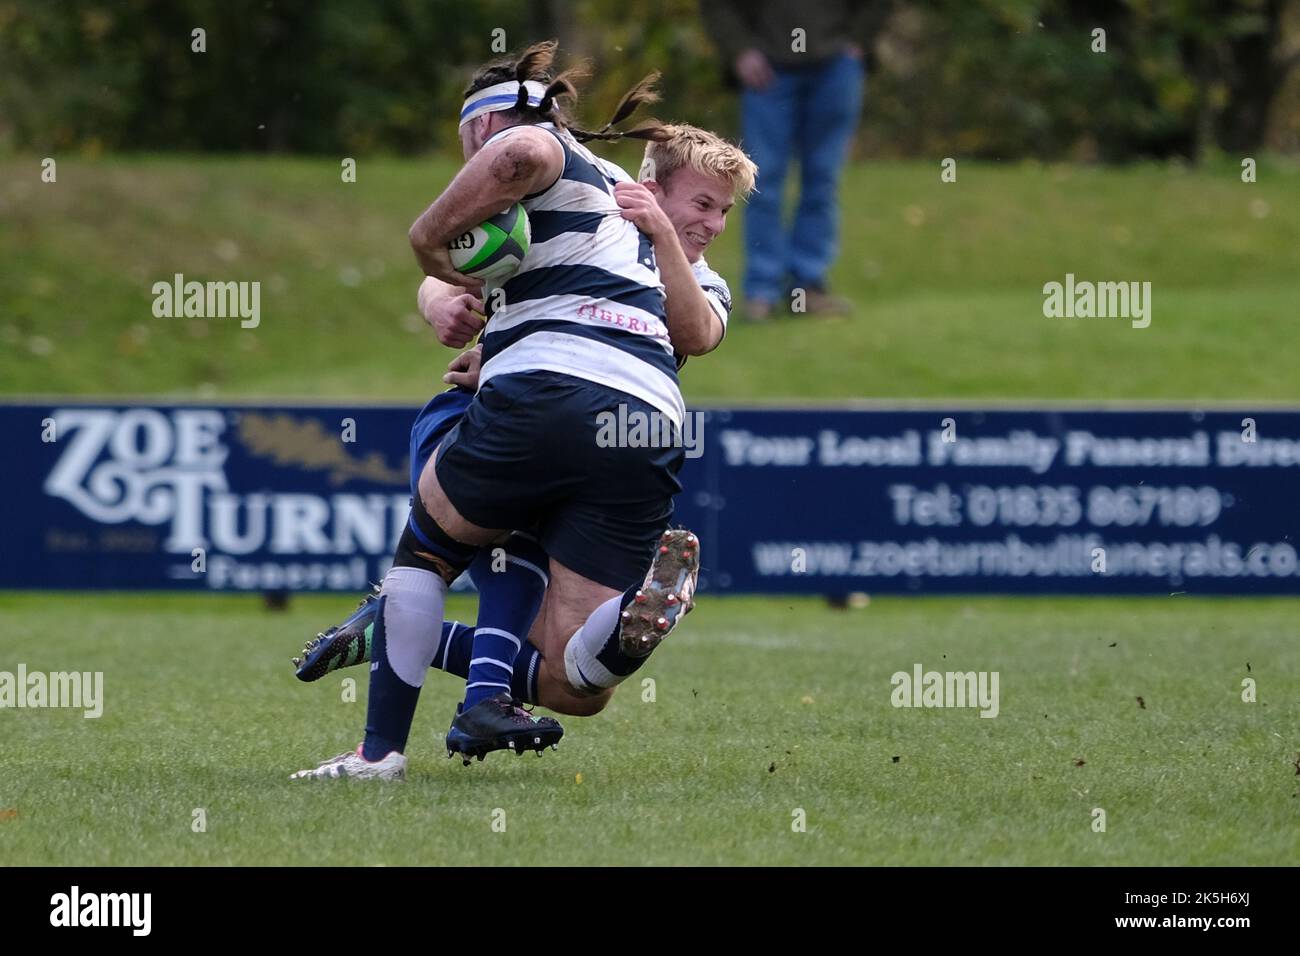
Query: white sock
[580,664]
[413,600]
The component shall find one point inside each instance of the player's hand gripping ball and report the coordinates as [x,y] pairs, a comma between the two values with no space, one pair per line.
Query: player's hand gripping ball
[492,250]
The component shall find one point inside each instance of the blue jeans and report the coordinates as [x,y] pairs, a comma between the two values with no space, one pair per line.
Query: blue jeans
[811,111]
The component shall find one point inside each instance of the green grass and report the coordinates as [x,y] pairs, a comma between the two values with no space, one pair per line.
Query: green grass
[763,706]
[946,281]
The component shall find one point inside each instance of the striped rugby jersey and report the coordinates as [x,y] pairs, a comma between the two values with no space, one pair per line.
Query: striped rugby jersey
[587,299]
[716,292]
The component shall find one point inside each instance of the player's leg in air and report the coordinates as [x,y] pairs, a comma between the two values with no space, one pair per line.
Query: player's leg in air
[349,642]
[511,578]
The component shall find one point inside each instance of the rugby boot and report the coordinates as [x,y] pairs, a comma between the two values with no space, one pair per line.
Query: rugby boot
[500,723]
[352,764]
[665,596]
[343,645]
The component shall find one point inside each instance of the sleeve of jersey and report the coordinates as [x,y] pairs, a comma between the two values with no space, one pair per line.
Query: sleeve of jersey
[719,298]
[718,295]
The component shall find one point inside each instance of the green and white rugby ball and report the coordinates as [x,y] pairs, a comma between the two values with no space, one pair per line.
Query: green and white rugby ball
[492,250]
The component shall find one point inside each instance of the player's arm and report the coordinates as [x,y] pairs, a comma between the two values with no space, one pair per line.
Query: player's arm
[455,313]
[693,326]
[499,175]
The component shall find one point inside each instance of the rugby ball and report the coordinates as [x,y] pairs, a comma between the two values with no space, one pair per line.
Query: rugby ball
[492,250]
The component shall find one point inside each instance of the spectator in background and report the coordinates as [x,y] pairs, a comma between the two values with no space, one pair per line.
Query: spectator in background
[801,97]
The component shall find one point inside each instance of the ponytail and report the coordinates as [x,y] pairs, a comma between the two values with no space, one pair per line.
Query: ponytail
[638,96]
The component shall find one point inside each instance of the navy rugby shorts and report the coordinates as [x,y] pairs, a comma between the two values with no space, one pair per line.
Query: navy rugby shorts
[526,453]
[431,426]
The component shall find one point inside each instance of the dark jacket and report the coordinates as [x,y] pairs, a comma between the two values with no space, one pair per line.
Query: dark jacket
[767,25]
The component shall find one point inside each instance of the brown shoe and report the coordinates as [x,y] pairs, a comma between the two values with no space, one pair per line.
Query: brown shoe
[820,303]
[758,311]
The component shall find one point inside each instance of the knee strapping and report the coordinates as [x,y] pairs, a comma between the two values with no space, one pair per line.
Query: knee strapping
[424,544]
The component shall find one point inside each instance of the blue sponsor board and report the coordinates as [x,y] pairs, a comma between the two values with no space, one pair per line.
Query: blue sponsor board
[235,498]
[832,501]
[1047,501]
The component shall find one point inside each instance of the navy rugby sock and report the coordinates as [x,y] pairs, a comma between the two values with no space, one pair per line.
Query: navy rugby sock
[456,649]
[511,580]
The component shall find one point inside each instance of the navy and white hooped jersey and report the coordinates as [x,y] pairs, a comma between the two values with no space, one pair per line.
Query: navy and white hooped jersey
[587,299]
[715,289]
[716,292]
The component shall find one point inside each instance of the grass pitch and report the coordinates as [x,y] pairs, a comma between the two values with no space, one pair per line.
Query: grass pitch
[761,707]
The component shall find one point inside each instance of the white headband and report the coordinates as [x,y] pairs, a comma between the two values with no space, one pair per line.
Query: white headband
[502,96]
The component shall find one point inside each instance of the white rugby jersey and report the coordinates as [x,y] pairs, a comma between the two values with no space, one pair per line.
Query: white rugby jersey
[587,299]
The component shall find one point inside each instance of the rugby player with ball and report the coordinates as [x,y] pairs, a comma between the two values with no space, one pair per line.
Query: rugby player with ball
[690,181]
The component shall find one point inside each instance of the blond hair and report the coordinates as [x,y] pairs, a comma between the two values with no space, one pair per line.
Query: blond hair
[694,148]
